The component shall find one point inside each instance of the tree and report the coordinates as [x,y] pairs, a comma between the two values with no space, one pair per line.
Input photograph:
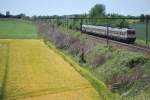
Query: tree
[115,15]
[123,24]
[7,14]
[21,16]
[142,18]
[97,11]
[147,16]
[2,15]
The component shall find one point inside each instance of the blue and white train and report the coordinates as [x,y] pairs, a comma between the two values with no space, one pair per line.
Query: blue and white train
[119,34]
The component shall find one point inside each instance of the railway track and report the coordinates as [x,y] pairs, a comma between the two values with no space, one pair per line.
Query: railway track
[132,47]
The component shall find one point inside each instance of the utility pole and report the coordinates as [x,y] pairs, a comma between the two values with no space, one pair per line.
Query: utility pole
[67,23]
[53,25]
[81,23]
[146,30]
[107,33]
[73,22]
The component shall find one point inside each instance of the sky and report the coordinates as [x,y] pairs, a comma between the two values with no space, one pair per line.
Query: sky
[66,7]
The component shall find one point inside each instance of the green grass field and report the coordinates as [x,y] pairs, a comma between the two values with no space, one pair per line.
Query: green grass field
[141,31]
[17,29]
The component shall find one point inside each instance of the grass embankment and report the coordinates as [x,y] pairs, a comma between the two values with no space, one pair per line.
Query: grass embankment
[126,72]
[142,42]
[17,29]
[34,71]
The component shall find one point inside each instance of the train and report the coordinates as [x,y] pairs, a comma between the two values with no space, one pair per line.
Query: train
[127,35]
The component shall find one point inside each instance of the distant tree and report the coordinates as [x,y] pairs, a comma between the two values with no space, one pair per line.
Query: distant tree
[21,16]
[7,13]
[147,16]
[115,15]
[123,24]
[117,21]
[97,11]
[34,17]
[2,15]
[142,18]
[129,16]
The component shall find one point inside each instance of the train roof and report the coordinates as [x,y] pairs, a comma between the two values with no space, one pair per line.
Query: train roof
[105,28]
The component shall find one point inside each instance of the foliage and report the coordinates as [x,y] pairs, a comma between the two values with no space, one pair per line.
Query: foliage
[142,18]
[97,11]
[63,40]
[125,75]
[8,15]
[123,24]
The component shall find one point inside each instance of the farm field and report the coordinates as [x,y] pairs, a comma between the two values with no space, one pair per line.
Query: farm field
[141,30]
[17,29]
[35,72]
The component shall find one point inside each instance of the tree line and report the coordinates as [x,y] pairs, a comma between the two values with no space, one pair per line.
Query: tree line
[97,11]
[8,15]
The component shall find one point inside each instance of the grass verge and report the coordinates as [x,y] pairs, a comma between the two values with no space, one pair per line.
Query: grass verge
[142,42]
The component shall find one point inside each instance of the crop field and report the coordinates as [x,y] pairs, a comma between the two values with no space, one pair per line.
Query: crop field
[3,60]
[32,71]
[17,29]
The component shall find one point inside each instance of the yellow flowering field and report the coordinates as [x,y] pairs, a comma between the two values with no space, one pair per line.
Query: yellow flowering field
[35,72]
[2,60]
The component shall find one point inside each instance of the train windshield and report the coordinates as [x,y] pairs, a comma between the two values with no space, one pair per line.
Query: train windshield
[131,32]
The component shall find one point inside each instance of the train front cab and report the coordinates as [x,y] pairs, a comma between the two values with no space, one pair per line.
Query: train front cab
[131,36]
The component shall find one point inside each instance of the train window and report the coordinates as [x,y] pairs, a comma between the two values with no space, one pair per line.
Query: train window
[131,32]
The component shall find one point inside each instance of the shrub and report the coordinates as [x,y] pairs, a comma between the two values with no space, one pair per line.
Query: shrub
[61,39]
[75,47]
[119,80]
[98,60]
[136,62]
